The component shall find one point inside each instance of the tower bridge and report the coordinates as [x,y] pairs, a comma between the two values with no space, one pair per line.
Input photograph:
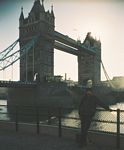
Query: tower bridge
[38,39]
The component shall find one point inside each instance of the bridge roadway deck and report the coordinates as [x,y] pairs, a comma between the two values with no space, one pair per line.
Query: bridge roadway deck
[20,141]
[17,84]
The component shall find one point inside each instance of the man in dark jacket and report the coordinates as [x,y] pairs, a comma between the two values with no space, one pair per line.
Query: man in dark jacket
[87,110]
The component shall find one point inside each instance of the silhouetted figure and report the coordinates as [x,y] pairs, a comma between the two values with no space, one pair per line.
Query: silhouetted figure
[87,110]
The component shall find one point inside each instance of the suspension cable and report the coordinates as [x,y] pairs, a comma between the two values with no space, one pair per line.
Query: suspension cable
[106,75]
[6,58]
[5,52]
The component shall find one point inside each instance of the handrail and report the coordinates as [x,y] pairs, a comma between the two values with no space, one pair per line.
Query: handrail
[35,112]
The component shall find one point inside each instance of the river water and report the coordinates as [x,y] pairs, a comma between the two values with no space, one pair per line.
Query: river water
[102,115]
[107,120]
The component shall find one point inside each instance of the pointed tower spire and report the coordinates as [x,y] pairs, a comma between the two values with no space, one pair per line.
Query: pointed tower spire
[22,9]
[43,2]
[22,15]
[52,8]
[52,13]
[21,18]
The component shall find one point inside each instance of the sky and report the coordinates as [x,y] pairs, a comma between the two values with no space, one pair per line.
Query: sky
[103,18]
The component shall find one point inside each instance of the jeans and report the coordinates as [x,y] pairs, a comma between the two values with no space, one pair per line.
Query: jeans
[85,125]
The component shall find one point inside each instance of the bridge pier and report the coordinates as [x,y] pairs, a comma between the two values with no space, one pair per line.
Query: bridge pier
[43,95]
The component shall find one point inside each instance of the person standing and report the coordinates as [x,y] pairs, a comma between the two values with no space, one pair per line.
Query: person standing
[87,109]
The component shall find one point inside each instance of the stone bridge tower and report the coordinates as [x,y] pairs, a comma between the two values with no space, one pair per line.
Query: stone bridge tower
[89,64]
[40,58]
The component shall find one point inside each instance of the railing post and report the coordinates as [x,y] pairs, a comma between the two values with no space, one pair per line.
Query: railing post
[49,117]
[16,117]
[118,129]
[60,123]
[38,122]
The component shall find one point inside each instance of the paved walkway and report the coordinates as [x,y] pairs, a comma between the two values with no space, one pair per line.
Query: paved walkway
[19,141]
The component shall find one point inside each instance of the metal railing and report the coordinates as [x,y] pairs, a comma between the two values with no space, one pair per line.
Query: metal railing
[59,116]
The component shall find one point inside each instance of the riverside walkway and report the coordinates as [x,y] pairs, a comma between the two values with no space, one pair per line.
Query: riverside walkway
[17,135]
[22,141]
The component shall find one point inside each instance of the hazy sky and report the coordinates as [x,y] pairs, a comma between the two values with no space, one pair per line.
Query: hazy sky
[104,19]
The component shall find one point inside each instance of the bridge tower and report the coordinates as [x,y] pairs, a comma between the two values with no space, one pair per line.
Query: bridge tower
[89,64]
[40,58]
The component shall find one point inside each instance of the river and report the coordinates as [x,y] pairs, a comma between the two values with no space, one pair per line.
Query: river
[107,119]
[100,115]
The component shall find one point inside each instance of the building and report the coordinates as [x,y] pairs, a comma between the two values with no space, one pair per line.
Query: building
[40,59]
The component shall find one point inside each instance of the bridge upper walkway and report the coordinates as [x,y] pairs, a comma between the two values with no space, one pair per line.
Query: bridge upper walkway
[67,44]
